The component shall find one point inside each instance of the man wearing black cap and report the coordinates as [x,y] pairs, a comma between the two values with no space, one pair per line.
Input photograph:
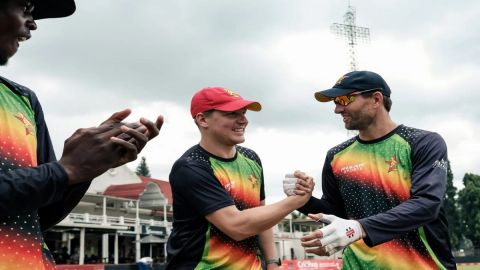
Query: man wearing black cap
[36,192]
[383,189]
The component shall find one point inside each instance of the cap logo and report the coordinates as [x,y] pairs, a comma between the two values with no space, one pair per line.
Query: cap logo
[231,93]
[339,81]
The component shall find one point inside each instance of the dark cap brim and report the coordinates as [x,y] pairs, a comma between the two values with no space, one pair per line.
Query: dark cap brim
[52,8]
[327,95]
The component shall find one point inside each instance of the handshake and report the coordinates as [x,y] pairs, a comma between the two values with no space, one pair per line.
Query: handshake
[297,183]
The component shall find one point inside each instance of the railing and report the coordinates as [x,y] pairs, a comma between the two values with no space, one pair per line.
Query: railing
[86,218]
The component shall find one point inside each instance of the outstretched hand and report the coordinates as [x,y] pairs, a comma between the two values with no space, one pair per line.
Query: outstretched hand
[335,236]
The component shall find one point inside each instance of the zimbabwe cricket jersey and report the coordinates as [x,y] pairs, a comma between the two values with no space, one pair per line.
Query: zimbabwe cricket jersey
[21,240]
[394,186]
[201,184]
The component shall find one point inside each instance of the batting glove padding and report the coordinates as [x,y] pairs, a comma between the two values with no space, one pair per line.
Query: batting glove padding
[339,233]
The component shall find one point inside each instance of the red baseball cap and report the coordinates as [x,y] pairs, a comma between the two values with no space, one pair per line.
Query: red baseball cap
[221,99]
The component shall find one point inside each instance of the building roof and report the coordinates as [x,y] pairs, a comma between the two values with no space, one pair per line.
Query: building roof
[135,190]
[164,186]
[131,191]
[119,176]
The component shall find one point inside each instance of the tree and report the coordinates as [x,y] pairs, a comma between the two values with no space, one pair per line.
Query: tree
[142,168]
[469,202]
[452,211]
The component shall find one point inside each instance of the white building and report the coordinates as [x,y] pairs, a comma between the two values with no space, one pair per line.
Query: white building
[124,217]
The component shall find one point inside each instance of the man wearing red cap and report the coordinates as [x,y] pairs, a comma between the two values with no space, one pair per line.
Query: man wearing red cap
[220,217]
[383,190]
[36,192]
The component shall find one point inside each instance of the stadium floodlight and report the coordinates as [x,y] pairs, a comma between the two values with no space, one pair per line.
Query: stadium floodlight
[352,34]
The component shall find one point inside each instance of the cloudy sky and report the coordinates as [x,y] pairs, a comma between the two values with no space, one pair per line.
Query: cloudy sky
[151,56]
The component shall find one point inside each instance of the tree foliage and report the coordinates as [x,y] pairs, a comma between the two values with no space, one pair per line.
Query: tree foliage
[142,168]
[469,202]
[452,211]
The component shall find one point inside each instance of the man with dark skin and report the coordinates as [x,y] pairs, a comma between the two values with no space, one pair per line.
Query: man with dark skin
[36,191]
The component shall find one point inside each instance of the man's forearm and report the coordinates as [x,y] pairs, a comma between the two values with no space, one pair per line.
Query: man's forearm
[30,188]
[267,244]
[243,224]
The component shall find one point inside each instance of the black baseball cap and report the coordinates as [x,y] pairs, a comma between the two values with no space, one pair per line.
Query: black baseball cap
[355,81]
[52,8]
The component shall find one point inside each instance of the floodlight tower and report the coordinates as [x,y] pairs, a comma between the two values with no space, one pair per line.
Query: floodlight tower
[352,33]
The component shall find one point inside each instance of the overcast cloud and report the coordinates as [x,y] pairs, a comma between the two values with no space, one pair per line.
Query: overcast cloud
[152,55]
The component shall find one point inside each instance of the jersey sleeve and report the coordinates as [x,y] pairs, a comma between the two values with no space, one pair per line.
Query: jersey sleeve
[27,189]
[65,197]
[199,188]
[331,201]
[429,178]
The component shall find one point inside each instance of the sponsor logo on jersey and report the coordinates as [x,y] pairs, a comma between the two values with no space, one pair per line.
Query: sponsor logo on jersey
[442,164]
[352,168]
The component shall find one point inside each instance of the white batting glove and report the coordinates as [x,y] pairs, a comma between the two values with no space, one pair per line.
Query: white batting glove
[339,232]
[289,184]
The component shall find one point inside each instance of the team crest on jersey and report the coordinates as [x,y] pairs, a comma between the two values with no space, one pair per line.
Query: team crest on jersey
[392,164]
[253,180]
[28,125]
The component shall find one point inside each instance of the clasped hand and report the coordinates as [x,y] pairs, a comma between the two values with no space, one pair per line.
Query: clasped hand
[304,185]
[335,236]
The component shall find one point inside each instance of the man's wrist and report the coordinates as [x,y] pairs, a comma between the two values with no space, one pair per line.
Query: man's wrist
[276,261]
[362,231]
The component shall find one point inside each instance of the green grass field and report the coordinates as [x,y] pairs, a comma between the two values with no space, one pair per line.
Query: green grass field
[468,267]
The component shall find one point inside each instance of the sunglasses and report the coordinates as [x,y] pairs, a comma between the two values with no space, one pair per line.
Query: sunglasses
[347,99]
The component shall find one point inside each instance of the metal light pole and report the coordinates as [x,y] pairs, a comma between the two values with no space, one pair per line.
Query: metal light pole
[352,33]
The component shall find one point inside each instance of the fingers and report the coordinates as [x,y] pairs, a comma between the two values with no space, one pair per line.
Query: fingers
[100,133]
[304,186]
[328,236]
[315,217]
[117,117]
[129,151]
[327,230]
[152,128]
[136,138]
[159,122]
[323,251]
[300,174]
[312,243]
[313,236]
[332,250]
[320,251]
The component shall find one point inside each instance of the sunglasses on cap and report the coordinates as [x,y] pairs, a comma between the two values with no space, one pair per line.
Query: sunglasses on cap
[347,99]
